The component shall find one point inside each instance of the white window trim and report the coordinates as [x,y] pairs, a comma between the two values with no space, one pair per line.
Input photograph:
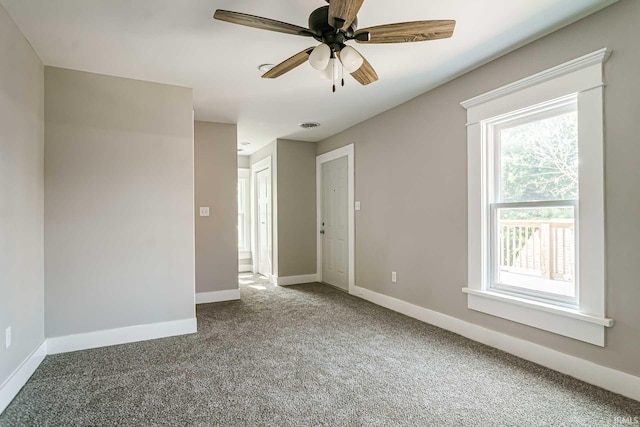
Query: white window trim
[245,251]
[582,77]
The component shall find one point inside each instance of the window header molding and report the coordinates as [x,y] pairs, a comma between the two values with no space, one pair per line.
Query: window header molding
[594,58]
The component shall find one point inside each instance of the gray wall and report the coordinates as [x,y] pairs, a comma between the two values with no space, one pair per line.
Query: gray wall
[216,175]
[243,162]
[411,180]
[21,196]
[296,208]
[264,152]
[119,219]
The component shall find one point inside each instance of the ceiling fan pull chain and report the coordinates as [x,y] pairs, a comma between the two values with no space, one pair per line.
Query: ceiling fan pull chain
[342,73]
[333,74]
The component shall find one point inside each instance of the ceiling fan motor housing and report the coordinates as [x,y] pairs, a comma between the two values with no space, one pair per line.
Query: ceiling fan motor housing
[319,23]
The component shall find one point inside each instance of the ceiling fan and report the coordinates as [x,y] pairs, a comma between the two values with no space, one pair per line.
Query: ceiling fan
[333,26]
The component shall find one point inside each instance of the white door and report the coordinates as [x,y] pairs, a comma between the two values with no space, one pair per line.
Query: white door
[263,195]
[334,223]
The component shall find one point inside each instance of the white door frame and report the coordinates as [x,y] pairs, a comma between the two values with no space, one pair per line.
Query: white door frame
[347,150]
[255,168]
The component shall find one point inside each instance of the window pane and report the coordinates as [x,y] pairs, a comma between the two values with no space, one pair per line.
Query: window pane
[241,195]
[539,160]
[535,249]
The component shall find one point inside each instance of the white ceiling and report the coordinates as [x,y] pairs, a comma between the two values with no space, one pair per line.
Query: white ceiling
[177,42]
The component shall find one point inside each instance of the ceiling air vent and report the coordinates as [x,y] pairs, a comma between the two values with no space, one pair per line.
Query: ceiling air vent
[309,125]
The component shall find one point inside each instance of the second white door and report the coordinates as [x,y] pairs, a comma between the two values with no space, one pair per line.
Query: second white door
[334,223]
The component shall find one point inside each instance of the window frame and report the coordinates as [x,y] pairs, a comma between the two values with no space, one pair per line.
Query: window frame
[492,128]
[581,78]
[244,176]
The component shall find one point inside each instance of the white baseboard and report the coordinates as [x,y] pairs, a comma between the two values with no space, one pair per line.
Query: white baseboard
[610,379]
[294,280]
[217,296]
[21,375]
[55,345]
[245,268]
[124,335]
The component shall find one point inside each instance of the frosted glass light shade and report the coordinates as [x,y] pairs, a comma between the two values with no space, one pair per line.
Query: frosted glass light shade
[332,71]
[320,56]
[351,59]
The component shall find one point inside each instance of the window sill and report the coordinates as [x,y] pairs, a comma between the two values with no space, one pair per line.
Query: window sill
[563,321]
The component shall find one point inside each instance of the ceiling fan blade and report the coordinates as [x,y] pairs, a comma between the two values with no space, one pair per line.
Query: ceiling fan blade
[289,64]
[261,23]
[365,74]
[343,12]
[404,32]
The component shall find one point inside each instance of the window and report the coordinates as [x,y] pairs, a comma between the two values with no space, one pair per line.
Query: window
[532,209]
[242,185]
[244,220]
[536,201]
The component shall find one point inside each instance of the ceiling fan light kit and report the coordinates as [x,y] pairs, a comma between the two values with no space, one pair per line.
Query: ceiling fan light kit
[319,58]
[351,59]
[331,71]
[334,26]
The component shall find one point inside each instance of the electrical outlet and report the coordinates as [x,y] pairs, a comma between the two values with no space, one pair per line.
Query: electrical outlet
[394,277]
[204,211]
[7,337]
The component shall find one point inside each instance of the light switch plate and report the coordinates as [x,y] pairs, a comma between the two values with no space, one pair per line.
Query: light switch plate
[394,277]
[7,337]
[357,206]
[204,211]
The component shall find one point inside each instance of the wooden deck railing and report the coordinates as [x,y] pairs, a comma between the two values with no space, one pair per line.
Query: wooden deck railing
[540,248]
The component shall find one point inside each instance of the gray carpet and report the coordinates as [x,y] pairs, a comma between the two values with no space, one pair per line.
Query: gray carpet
[307,355]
